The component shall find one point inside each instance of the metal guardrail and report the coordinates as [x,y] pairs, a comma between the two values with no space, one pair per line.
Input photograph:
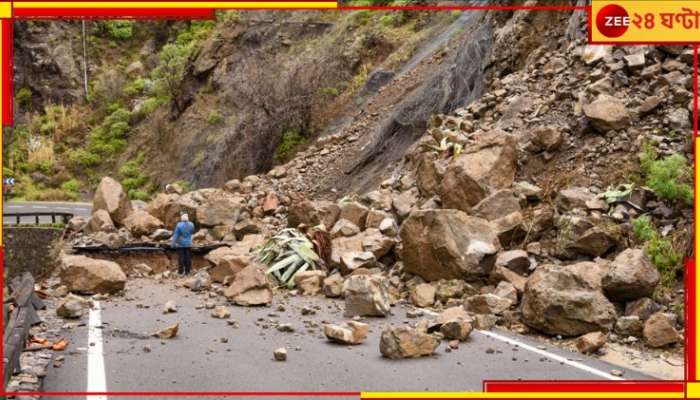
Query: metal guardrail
[20,314]
[65,217]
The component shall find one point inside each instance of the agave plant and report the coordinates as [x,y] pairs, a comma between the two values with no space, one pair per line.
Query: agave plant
[444,146]
[288,253]
[615,194]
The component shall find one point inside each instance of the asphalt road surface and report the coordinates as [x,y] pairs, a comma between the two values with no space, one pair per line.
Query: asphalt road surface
[77,209]
[110,356]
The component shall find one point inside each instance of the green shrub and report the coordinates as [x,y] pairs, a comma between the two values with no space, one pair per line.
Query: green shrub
[133,178]
[24,98]
[120,29]
[289,144]
[666,258]
[214,118]
[71,185]
[659,250]
[135,88]
[670,178]
[151,104]
[642,228]
[81,158]
[139,195]
[43,166]
[109,138]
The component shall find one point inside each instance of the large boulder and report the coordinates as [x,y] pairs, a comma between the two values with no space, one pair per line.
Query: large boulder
[585,236]
[631,276]
[250,287]
[206,207]
[111,197]
[229,266]
[366,295]
[404,342]
[479,169]
[165,207]
[212,207]
[100,221]
[659,331]
[312,213]
[89,275]
[354,212]
[497,205]
[447,244]
[429,172]
[573,197]
[141,223]
[567,300]
[607,113]
[487,304]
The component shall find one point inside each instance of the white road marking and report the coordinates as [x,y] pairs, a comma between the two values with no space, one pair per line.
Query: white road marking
[40,207]
[552,356]
[96,378]
[62,208]
[14,206]
[555,357]
[82,209]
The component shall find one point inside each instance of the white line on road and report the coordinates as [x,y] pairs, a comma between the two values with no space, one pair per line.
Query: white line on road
[545,353]
[62,208]
[96,379]
[41,207]
[553,356]
[82,209]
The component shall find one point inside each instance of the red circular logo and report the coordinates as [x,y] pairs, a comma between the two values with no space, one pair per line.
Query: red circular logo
[612,21]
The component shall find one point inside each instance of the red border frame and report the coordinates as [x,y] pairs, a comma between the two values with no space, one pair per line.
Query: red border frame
[488,386]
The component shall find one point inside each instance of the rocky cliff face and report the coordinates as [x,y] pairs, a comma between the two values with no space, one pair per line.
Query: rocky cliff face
[202,102]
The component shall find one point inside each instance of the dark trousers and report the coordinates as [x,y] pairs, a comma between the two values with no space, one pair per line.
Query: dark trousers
[184,257]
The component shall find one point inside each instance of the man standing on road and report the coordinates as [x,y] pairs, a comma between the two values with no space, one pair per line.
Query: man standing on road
[182,241]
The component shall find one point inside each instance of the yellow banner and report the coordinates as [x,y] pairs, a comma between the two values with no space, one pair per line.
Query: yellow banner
[634,21]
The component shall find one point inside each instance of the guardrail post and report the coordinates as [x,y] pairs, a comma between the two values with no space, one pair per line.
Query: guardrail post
[19,321]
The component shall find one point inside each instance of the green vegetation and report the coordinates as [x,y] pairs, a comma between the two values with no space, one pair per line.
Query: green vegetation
[290,143]
[330,91]
[643,229]
[110,138]
[214,118]
[133,179]
[136,87]
[659,250]
[288,253]
[24,98]
[71,185]
[119,29]
[670,178]
[151,104]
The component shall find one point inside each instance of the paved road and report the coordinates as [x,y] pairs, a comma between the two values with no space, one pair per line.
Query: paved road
[77,209]
[198,360]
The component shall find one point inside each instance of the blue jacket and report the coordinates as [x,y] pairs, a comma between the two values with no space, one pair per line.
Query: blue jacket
[182,237]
